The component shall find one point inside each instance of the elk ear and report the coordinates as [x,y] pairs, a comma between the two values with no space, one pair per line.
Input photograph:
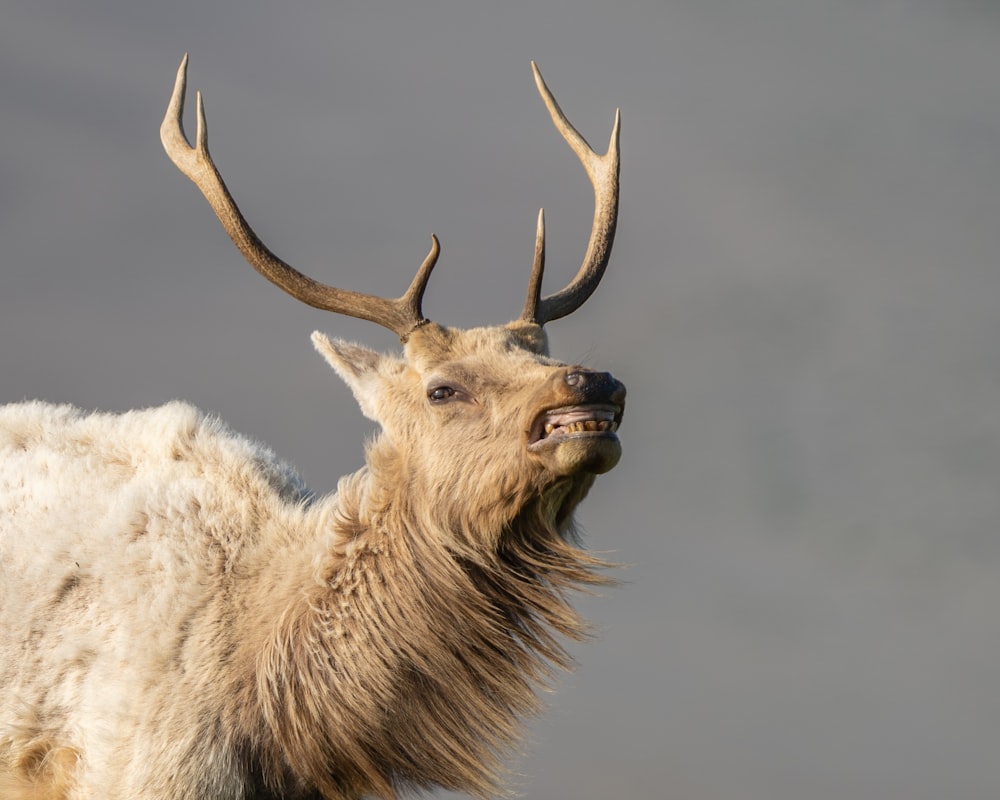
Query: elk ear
[357,366]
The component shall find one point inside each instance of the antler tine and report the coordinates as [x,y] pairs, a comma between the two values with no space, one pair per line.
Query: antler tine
[602,170]
[537,270]
[401,315]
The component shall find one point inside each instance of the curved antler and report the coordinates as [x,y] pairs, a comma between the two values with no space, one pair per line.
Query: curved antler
[603,174]
[401,315]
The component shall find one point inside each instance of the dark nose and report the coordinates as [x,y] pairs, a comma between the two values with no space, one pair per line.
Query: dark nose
[596,387]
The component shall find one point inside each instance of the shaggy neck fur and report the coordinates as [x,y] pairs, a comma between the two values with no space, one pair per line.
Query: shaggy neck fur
[413,657]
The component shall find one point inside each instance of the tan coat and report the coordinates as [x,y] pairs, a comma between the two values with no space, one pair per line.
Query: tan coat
[182,619]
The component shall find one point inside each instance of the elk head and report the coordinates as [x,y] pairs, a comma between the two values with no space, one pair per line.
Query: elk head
[462,409]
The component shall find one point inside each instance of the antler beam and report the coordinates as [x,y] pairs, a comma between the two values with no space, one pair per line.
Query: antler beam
[401,315]
[602,170]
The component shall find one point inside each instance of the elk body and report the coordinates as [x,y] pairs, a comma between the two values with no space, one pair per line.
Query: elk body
[182,618]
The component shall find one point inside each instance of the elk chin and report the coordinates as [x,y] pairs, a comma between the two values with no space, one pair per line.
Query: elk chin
[575,455]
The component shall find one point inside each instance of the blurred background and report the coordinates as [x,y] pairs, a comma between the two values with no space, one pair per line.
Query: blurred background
[803,302]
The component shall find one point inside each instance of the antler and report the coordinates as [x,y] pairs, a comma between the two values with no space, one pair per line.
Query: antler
[401,315]
[603,174]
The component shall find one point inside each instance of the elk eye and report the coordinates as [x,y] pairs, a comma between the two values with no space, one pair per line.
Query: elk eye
[440,393]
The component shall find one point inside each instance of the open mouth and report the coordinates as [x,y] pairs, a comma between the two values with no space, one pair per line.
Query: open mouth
[575,421]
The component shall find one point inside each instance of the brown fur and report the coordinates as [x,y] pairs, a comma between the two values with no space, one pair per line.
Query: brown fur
[442,617]
[434,658]
[39,770]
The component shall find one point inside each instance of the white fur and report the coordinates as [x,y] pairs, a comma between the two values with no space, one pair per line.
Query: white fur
[188,494]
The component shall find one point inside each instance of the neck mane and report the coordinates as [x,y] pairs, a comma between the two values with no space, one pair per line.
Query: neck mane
[411,662]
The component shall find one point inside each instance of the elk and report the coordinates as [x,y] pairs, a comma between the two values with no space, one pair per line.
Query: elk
[183,618]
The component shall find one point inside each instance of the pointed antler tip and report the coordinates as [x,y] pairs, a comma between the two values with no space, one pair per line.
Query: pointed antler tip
[435,250]
[615,132]
[539,80]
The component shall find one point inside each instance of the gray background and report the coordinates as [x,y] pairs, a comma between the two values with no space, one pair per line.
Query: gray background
[803,303]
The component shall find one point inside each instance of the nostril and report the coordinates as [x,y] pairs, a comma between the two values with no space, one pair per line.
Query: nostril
[595,387]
